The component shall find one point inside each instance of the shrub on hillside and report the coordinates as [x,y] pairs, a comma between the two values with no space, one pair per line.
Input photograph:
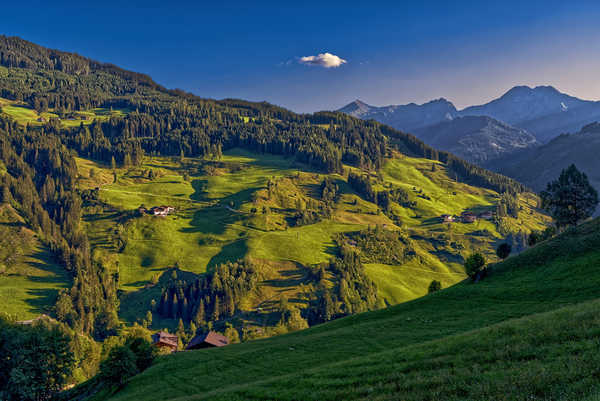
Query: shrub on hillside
[119,366]
[127,360]
[539,236]
[503,250]
[435,285]
[474,265]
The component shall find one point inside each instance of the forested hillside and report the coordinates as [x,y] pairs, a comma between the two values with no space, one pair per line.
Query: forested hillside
[277,220]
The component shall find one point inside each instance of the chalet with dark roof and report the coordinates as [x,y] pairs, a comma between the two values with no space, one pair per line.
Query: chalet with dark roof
[208,340]
[165,340]
[487,215]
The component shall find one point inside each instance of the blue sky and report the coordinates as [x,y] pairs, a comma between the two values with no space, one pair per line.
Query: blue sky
[395,52]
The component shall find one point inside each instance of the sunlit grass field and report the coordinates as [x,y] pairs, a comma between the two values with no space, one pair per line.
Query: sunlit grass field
[214,223]
[25,115]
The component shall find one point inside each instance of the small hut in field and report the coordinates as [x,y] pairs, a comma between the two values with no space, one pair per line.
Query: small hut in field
[165,340]
[208,340]
[468,217]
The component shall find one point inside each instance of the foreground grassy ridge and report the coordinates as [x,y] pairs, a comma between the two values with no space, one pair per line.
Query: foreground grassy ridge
[450,344]
[207,230]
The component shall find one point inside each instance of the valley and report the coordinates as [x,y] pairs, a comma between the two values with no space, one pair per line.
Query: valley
[156,245]
[247,207]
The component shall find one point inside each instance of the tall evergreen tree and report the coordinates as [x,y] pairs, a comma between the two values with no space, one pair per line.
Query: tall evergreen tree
[571,198]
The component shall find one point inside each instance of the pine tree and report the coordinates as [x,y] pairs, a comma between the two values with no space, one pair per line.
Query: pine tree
[571,198]
[180,328]
[230,304]
[174,307]
[216,309]
[127,160]
[200,318]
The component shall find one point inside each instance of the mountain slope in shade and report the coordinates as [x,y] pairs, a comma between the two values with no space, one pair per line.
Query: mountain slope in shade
[408,117]
[536,167]
[476,138]
[543,111]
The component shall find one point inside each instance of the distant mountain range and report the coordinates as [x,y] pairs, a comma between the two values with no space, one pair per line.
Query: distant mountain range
[542,112]
[408,117]
[536,167]
[476,138]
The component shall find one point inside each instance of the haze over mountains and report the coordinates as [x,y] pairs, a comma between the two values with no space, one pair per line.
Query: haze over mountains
[537,166]
[542,112]
[476,138]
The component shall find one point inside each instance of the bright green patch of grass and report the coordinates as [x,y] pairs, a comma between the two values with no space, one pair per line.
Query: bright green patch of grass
[229,214]
[24,114]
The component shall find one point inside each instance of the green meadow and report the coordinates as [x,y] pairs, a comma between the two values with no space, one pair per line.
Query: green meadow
[224,211]
[528,331]
[25,115]
[29,277]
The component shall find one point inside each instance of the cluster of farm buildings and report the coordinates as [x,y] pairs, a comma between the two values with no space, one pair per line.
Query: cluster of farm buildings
[467,217]
[169,341]
[157,210]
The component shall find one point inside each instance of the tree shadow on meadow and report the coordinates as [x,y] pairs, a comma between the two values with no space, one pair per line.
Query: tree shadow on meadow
[41,300]
[229,253]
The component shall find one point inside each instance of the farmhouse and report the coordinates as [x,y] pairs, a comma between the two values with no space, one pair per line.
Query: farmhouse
[165,340]
[162,210]
[208,340]
[468,217]
[486,215]
[447,218]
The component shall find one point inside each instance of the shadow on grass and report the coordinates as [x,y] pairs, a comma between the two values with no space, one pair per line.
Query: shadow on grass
[229,253]
[43,299]
[211,220]
[291,278]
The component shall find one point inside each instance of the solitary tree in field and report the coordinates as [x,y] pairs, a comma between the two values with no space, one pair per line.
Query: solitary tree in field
[434,286]
[503,250]
[474,264]
[570,199]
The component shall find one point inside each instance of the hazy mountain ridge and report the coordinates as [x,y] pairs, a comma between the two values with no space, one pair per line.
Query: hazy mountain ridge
[536,167]
[542,110]
[520,106]
[406,117]
[477,138]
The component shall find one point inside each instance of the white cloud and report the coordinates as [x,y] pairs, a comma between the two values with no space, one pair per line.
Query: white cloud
[326,60]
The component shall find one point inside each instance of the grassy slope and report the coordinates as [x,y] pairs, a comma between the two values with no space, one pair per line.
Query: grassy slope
[204,231]
[23,114]
[530,330]
[29,284]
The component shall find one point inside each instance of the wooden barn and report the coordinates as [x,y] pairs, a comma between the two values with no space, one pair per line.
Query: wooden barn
[165,340]
[486,215]
[208,340]
[468,217]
